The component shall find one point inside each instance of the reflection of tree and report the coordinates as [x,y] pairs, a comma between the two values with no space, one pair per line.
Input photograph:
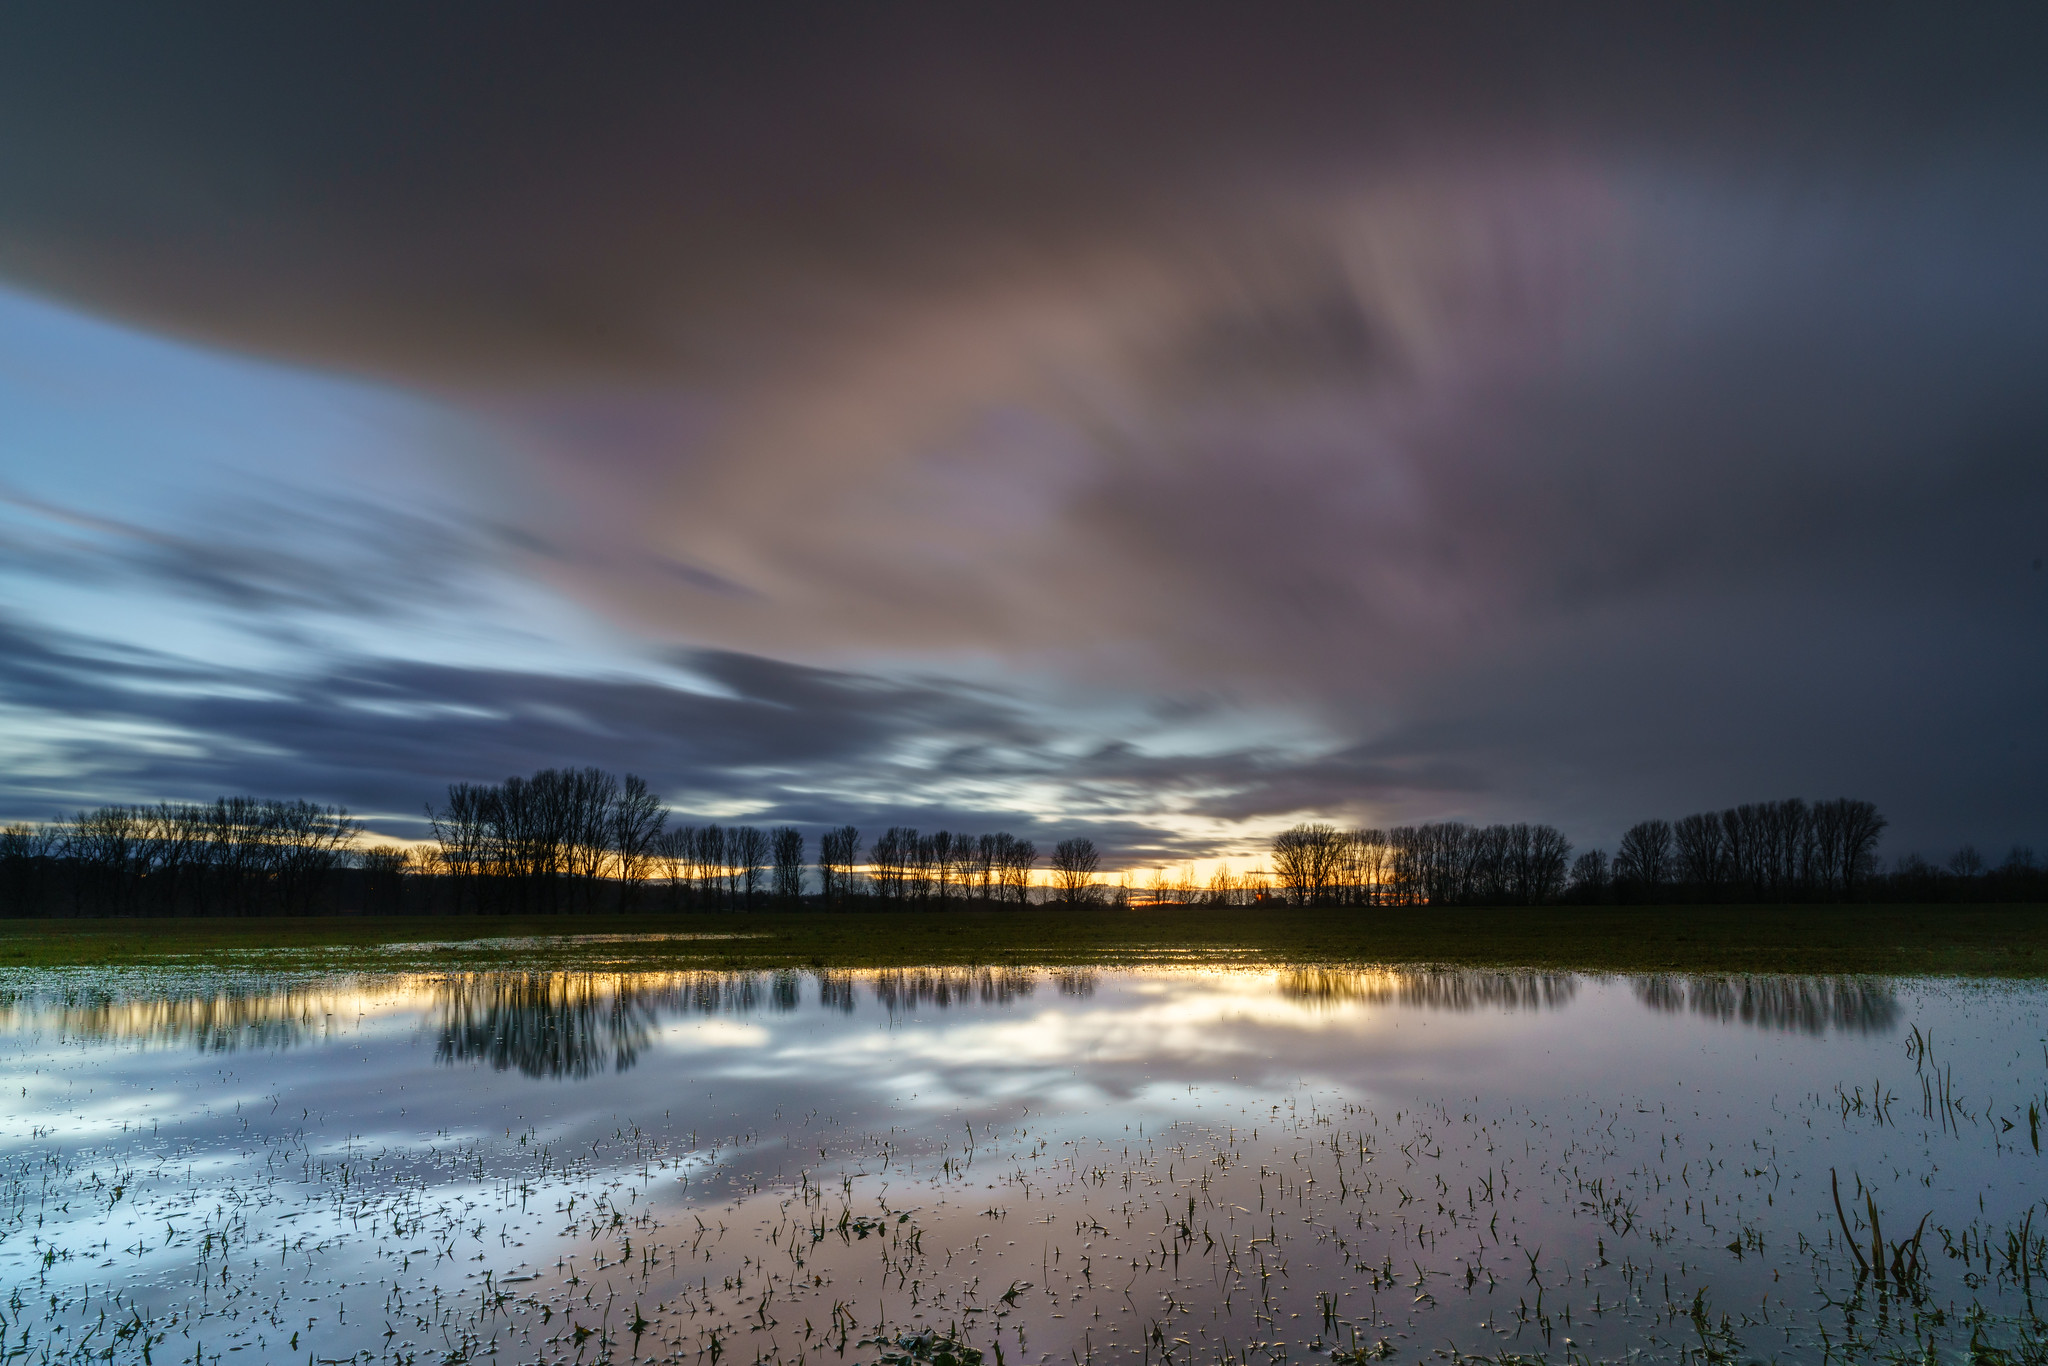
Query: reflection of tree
[1076,981]
[836,991]
[906,989]
[222,1021]
[1432,989]
[1810,1005]
[545,1024]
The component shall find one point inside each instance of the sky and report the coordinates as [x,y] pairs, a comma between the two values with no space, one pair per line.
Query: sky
[1157,422]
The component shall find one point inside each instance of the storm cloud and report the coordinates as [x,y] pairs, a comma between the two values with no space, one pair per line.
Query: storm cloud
[1168,419]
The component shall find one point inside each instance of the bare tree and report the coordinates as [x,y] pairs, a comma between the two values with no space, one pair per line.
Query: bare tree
[1644,863]
[964,854]
[673,852]
[1590,878]
[919,860]
[26,854]
[789,865]
[1489,874]
[174,854]
[1547,864]
[306,842]
[939,849]
[1534,863]
[463,829]
[1847,833]
[1307,859]
[1019,857]
[838,853]
[1074,862]
[103,844]
[888,859]
[1375,865]
[987,866]
[1702,852]
[1225,887]
[713,864]
[1444,849]
[1746,835]
[636,819]
[746,851]
[384,871]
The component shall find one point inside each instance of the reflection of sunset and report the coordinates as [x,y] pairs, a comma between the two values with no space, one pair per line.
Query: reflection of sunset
[567,1023]
[528,1124]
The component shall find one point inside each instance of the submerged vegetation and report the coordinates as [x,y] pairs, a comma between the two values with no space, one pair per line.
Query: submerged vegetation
[1227,1215]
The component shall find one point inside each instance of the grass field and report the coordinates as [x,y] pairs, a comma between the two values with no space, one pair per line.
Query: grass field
[1996,941]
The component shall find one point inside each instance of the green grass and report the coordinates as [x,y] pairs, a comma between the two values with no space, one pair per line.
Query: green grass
[1992,941]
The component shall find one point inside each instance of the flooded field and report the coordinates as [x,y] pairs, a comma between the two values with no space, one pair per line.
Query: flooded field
[1170,1165]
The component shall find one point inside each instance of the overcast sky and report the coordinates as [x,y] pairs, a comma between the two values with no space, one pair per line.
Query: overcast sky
[1163,422]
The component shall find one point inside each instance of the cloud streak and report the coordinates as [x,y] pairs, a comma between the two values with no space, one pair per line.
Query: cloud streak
[1168,419]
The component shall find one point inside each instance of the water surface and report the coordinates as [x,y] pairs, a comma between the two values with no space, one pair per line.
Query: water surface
[1180,1165]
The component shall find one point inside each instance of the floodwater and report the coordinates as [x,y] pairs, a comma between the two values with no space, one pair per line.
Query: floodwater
[1171,1165]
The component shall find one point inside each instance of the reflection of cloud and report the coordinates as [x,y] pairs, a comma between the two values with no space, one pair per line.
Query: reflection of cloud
[580,1024]
[574,1024]
[1431,989]
[543,1024]
[1810,1005]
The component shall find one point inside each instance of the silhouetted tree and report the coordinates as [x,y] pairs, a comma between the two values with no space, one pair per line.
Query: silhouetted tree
[589,798]
[939,850]
[1307,860]
[1590,879]
[1074,862]
[838,853]
[1701,853]
[1644,864]
[1537,855]
[102,844]
[746,856]
[987,869]
[789,864]
[1018,857]
[465,829]
[962,852]
[713,862]
[305,842]
[384,871]
[635,822]
[888,860]
[674,854]
[1851,844]
[1372,860]
[26,852]
[920,858]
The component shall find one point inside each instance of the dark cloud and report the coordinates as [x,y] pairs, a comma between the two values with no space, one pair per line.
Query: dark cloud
[482,186]
[779,741]
[1570,411]
[266,559]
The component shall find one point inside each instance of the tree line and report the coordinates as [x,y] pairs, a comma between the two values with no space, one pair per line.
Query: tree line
[567,838]
[560,840]
[1447,863]
[232,856]
[1764,852]
[564,840]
